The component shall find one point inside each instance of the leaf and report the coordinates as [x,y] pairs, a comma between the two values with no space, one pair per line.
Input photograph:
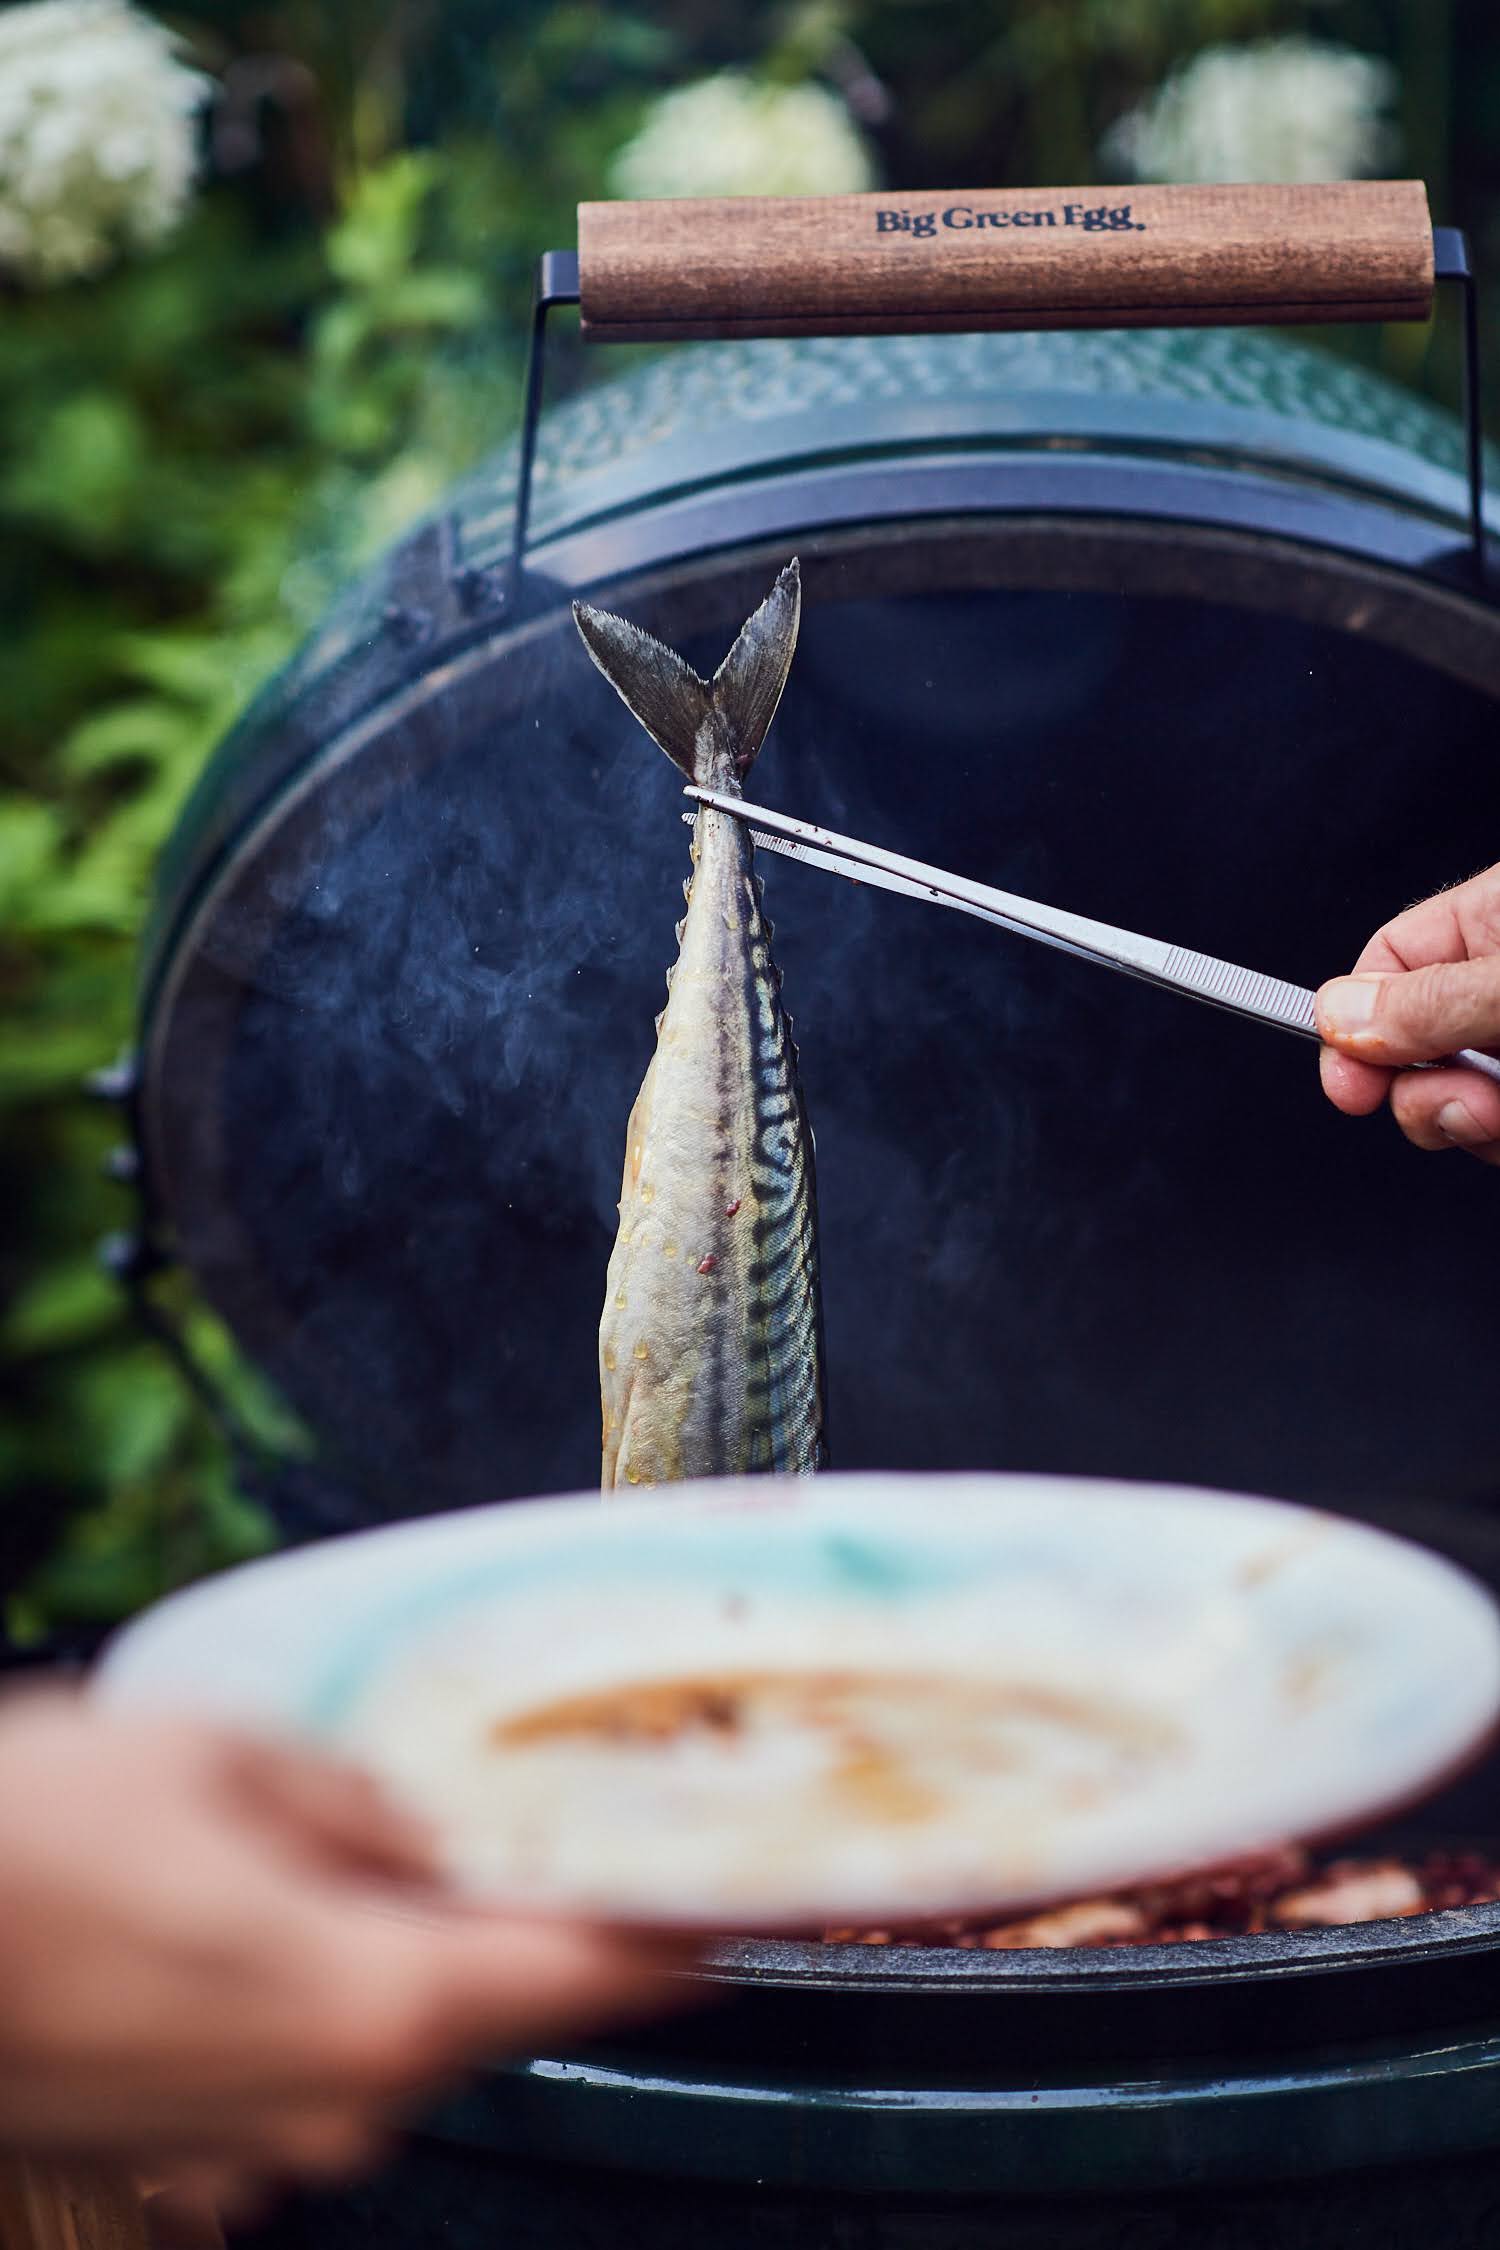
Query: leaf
[147,1539]
[72,1020]
[236,1528]
[96,1589]
[104,885]
[257,1403]
[339,335]
[68,1305]
[136,1410]
[149,730]
[24,1620]
[31,837]
[377,236]
[77,469]
[188,665]
[436,297]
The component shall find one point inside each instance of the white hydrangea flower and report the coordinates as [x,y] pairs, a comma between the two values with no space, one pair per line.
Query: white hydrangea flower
[98,140]
[1280,109]
[734,135]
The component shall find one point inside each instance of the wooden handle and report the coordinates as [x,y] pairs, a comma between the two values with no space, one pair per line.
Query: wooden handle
[1143,257]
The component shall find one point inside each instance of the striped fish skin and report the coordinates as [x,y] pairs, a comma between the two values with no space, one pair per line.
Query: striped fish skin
[710,1345]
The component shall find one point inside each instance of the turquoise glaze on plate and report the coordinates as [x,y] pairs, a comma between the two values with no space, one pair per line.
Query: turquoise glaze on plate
[832,1567]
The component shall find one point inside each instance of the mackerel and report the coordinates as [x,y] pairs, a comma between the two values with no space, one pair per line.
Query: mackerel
[711,1347]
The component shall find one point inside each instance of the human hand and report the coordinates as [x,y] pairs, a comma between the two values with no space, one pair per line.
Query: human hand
[219,1955]
[1426,984]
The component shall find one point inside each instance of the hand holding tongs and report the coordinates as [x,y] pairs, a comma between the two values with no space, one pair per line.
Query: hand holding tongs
[1245,991]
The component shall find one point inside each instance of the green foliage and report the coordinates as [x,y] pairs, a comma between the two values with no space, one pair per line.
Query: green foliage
[198,449]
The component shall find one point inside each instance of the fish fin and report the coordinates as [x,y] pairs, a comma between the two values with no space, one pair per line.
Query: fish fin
[653,681]
[669,698]
[747,686]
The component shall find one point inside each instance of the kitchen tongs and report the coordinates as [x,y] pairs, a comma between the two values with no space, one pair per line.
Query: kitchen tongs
[1199,975]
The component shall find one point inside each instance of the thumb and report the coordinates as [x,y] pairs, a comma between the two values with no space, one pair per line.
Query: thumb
[1413,1015]
[331,1813]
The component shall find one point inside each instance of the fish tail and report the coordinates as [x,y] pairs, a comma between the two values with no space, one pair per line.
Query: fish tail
[684,714]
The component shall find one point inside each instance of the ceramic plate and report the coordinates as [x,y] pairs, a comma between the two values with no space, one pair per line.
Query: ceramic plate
[777,1704]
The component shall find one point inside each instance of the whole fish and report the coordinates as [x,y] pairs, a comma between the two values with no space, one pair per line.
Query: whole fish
[711,1348]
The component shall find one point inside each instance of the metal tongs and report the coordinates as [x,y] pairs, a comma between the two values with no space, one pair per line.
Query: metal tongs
[1245,992]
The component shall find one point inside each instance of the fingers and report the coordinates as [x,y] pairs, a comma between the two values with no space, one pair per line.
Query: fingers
[521,1981]
[1438,1109]
[453,1988]
[1426,984]
[1356,1088]
[1435,1109]
[335,2142]
[364,2005]
[188,2215]
[1418,1015]
[204,1956]
[190,2208]
[333,1812]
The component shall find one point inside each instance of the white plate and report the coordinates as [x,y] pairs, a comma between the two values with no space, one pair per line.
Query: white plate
[862,1698]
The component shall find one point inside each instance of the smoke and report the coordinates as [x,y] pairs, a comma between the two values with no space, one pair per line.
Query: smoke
[1067,1222]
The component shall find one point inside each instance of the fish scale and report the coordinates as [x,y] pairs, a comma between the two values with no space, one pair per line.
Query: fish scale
[711,1341]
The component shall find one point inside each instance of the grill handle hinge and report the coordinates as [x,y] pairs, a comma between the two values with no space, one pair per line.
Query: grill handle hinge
[1450,262]
[557,283]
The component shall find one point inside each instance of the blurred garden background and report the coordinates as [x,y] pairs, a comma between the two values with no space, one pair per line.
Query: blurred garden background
[264,276]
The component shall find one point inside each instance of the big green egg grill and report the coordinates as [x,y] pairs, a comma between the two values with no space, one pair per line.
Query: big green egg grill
[1191,630]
